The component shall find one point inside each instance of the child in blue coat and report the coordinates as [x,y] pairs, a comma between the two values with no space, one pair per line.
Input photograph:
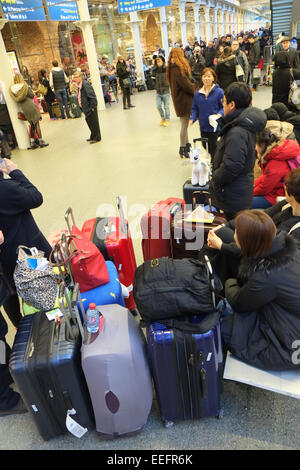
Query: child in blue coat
[208,101]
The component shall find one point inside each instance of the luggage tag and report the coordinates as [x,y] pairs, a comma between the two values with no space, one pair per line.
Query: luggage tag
[54,315]
[73,427]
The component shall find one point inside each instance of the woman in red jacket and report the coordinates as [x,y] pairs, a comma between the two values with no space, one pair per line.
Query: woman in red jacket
[273,156]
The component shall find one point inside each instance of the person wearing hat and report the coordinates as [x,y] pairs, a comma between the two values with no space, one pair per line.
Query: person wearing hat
[282,79]
[197,64]
[292,53]
[159,75]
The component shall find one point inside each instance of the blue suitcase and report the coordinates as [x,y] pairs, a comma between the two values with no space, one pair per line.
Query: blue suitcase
[187,371]
[187,364]
[110,293]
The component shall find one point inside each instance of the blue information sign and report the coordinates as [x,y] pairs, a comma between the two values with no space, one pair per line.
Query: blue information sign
[63,12]
[23,10]
[129,6]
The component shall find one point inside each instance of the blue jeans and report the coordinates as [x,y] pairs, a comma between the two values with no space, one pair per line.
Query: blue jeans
[62,99]
[165,100]
[260,202]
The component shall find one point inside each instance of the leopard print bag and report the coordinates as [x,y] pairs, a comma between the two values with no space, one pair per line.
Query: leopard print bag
[38,288]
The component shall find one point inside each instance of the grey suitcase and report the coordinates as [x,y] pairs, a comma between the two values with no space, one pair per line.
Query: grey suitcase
[116,369]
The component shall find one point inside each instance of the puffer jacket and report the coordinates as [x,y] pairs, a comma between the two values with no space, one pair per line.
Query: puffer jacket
[23,94]
[160,76]
[265,298]
[231,184]
[274,169]
[225,71]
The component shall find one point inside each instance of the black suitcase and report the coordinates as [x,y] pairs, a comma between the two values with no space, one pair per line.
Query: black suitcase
[192,194]
[45,364]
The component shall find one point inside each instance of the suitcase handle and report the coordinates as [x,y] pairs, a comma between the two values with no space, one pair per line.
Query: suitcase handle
[69,214]
[62,296]
[203,383]
[124,225]
[200,139]
[176,207]
[204,193]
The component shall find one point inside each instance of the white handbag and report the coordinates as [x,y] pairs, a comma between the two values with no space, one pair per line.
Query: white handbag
[294,94]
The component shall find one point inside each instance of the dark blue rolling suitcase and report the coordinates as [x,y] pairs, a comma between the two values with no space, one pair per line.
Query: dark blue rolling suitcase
[187,367]
[45,364]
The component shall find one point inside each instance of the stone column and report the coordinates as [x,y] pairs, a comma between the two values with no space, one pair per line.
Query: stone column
[183,23]
[86,25]
[20,127]
[197,21]
[216,32]
[135,27]
[207,20]
[164,30]
[227,21]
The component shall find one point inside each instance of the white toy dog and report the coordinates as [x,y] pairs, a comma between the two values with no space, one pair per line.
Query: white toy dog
[201,167]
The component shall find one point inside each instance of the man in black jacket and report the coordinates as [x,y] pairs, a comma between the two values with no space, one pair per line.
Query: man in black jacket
[232,179]
[209,55]
[17,197]
[10,401]
[253,56]
[162,87]
[88,103]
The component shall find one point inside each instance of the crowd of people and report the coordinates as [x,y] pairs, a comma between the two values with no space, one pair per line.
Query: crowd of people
[255,253]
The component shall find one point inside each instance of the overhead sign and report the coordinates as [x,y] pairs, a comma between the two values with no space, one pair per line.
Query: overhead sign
[62,12]
[129,6]
[23,10]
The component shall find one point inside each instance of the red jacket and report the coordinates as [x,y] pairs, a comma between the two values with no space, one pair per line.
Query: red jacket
[274,169]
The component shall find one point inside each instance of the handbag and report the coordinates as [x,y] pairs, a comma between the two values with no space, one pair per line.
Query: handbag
[294,93]
[126,82]
[167,288]
[42,89]
[256,73]
[37,287]
[239,72]
[87,262]
[21,116]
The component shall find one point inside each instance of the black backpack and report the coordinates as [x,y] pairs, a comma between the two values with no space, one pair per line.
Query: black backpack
[167,288]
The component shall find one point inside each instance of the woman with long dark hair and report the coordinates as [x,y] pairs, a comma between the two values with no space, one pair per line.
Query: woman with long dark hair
[182,91]
[49,96]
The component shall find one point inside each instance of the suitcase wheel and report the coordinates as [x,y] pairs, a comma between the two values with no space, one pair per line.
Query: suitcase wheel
[220,415]
[168,424]
[134,312]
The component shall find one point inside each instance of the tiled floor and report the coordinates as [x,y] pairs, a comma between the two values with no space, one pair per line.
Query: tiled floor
[139,160]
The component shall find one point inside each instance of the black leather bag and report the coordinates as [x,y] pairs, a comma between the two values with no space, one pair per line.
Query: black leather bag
[167,288]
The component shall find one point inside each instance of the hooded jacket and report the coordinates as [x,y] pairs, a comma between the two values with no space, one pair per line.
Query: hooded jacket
[265,299]
[232,179]
[254,53]
[182,91]
[225,71]
[159,74]
[21,93]
[203,106]
[279,112]
[197,63]
[274,169]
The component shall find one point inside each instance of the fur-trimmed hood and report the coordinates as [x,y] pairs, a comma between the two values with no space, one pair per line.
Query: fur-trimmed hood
[18,91]
[280,150]
[282,253]
[227,60]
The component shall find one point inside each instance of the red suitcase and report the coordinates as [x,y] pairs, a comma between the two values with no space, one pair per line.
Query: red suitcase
[112,237]
[155,226]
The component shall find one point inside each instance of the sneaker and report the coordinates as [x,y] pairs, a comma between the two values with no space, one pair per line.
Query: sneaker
[166,123]
[162,122]
[18,409]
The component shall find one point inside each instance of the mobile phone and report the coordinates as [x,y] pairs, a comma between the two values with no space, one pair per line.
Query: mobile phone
[2,162]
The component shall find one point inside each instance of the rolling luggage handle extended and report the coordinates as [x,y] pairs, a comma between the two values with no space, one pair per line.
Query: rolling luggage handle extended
[69,214]
[62,296]
[124,225]
[200,139]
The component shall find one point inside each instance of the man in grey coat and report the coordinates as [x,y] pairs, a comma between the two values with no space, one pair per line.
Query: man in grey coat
[241,58]
[253,56]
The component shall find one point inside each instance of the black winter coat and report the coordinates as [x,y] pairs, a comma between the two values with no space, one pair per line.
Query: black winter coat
[225,71]
[254,53]
[159,74]
[282,79]
[265,298]
[122,72]
[88,98]
[209,54]
[17,197]
[232,181]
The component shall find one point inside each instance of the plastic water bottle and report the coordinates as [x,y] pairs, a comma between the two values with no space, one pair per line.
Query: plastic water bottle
[92,319]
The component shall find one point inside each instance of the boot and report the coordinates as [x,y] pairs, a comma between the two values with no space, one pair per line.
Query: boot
[33,145]
[188,147]
[183,152]
[42,143]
